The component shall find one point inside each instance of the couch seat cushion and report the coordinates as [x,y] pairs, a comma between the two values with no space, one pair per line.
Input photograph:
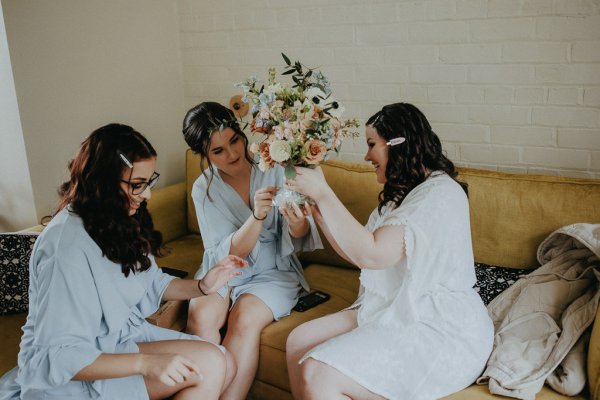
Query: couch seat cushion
[340,283]
[10,337]
[184,253]
[475,392]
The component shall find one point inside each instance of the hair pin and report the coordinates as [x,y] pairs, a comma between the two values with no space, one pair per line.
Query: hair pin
[125,159]
[396,141]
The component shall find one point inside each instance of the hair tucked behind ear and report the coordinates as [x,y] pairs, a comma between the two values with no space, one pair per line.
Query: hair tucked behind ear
[199,124]
[409,163]
[94,193]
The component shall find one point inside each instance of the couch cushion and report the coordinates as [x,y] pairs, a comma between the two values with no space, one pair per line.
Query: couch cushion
[10,337]
[511,214]
[184,253]
[493,280]
[15,251]
[340,283]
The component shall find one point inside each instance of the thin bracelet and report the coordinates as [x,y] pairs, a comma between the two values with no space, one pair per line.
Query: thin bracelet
[256,218]
[200,289]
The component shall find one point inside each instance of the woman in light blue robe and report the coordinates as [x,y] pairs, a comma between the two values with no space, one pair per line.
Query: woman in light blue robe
[233,201]
[86,336]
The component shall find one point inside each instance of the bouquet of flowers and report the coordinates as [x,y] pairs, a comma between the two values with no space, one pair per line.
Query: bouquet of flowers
[301,123]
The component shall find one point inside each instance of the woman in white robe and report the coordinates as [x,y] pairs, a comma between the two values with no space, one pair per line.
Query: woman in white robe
[93,280]
[418,329]
[233,202]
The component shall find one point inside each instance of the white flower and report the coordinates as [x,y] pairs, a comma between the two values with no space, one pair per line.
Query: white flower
[263,165]
[254,148]
[315,95]
[280,150]
[272,90]
[335,109]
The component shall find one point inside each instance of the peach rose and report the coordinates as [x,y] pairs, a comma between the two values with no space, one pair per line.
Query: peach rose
[265,156]
[315,151]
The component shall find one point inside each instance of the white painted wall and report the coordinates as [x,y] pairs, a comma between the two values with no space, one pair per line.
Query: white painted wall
[509,85]
[16,197]
[82,64]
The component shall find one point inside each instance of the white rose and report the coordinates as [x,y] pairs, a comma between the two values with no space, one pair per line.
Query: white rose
[280,151]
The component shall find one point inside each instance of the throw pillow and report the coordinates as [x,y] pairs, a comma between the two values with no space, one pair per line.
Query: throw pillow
[15,250]
[493,280]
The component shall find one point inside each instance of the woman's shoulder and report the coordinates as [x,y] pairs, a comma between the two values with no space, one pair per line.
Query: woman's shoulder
[65,232]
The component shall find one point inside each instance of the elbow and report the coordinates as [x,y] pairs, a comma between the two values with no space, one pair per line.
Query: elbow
[368,263]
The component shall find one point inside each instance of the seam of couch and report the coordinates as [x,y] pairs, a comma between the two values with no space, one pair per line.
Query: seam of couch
[528,178]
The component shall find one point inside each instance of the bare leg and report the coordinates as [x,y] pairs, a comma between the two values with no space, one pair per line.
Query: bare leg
[311,334]
[247,319]
[210,360]
[324,382]
[206,315]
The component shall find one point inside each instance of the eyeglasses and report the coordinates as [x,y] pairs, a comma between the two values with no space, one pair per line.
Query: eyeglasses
[140,187]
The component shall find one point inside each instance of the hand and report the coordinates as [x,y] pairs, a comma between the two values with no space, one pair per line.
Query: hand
[310,182]
[169,369]
[221,273]
[293,214]
[263,199]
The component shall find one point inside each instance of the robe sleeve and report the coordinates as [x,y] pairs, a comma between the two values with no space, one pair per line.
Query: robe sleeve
[67,317]
[157,283]
[216,230]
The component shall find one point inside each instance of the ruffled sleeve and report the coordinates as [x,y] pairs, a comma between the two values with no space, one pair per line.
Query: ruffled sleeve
[66,314]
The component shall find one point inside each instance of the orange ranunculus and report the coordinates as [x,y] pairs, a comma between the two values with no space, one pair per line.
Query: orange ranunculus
[315,151]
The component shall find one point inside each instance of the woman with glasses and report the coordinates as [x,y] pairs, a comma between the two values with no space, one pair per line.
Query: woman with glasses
[233,201]
[93,280]
[418,329]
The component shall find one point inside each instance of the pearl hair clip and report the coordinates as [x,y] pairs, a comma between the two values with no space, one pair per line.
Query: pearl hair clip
[125,159]
[396,141]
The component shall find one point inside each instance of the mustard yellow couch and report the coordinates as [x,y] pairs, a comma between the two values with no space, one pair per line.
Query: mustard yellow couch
[510,215]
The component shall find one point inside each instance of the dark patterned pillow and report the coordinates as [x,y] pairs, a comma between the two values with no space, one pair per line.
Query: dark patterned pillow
[15,250]
[493,280]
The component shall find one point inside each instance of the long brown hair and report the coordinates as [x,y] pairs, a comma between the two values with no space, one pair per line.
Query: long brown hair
[409,163]
[199,124]
[94,193]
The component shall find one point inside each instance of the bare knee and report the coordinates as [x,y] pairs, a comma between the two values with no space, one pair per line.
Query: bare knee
[205,320]
[210,359]
[246,324]
[310,372]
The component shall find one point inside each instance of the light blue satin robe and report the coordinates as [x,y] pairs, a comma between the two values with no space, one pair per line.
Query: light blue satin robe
[274,274]
[80,306]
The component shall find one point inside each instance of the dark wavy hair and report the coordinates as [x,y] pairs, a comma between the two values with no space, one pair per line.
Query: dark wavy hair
[411,162]
[199,124]
[94,193]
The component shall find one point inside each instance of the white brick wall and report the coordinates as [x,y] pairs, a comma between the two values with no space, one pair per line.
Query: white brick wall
[510,85]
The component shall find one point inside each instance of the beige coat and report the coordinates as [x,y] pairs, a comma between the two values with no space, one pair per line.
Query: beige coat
[540,321]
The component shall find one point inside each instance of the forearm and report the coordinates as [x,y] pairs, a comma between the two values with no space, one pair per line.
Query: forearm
[245,238]
[182,289]
[110,366]
[353,239]
[331,239]
[299,230]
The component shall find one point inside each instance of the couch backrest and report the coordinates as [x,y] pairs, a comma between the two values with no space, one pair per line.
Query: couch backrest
[510,213]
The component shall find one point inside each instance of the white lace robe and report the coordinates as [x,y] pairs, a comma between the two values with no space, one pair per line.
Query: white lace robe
[423,332]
